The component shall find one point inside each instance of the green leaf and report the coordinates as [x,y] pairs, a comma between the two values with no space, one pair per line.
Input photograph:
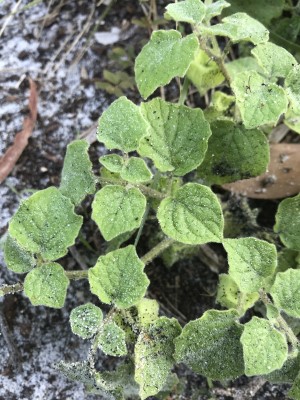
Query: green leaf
[166,55]
[275,60]
[16,258]
[211,345]
[286,292]
[265,348]
[230,296]
[259,101]
[135,170]
[242,64]
[192,215]
[178,136]
[292,87]
[221,101]
[154,355]
[247,153]
[263,10]
[47,285]
[92,379]
[77,178]
[46,224]
[204,73]
[214,9]
[111,340]
[113,162]
[292,120]
[118,278]
[191,11]
[288,222]
[251,261]
[118,209]
[287,258]
[85,320]
[294,392]
[287,373]
[147,311]
[122,126]
[239,27]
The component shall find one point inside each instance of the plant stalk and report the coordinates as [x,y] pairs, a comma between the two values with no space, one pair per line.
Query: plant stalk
[78,274]
[11,289]
[159,248]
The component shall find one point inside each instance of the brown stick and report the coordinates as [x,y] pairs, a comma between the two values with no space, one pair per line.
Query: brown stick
[12,154]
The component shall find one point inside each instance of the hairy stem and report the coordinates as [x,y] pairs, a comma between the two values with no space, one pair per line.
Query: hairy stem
[144,189]
[159,248]
[184,91]
[75,275]
[10,289]
[219,60]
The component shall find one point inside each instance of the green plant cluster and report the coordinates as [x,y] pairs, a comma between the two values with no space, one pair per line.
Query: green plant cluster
[168,156]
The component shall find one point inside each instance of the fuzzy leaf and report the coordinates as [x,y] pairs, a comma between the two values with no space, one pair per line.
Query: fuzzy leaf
[117,209]
[292,87]
[263,10]
[191,11]
[16,258]
[77,178]
[211,346]
[259,101]
[228,295]
[135,170]
[265,348]
[47,285]
[121,126]
[294,392]
[46,224]
[286,292]
[112,162]
[287,373]
[154,355]
[192,215]
[241,65]
[214,9]
[239,27]
[147,311]
[275,60]
[118,278]
[251,261]
[204,73]
[166,55]
[92,379]
[178,136]
[247,153]
[288,222]
[111,340]
[292,120]
[85,320]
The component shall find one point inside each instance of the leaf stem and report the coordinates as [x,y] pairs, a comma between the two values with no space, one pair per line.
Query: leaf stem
[77,274]
[11,289]
[184,91]
[159,248]
[219,60]
[144,189]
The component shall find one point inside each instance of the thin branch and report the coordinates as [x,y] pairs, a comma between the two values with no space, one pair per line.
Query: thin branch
[11,289]
[159,248]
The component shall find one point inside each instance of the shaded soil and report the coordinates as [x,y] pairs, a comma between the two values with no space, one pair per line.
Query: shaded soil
[69,104]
